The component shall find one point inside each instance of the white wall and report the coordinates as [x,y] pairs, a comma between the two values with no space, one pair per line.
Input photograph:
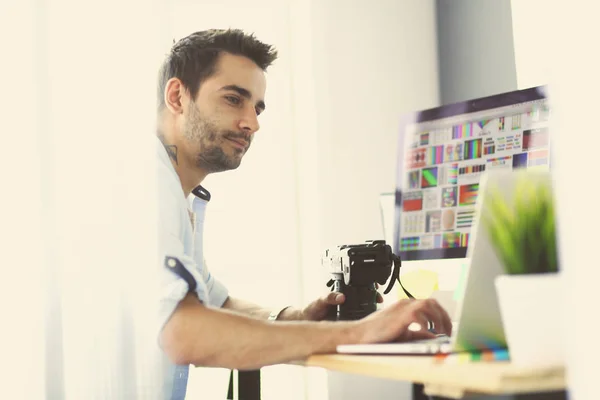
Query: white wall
[533,46]
[373,63]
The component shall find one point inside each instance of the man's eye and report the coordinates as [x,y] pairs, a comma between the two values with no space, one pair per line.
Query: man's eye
[233,100]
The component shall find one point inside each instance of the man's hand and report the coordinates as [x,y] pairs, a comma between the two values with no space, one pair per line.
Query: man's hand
[317,310]
[402,321]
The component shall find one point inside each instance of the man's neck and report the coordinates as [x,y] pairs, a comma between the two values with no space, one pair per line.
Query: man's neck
[189,176]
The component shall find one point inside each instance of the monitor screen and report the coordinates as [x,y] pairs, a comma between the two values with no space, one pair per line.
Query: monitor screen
[442,155]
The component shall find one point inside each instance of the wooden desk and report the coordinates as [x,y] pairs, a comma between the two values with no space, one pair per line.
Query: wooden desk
[446,378]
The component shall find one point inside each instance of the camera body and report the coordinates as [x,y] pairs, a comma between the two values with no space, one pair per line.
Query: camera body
[355,270]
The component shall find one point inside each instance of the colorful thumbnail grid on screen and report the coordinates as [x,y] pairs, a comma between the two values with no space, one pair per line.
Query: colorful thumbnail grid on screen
[444,165]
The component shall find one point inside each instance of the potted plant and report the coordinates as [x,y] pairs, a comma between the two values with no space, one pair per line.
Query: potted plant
[520,223]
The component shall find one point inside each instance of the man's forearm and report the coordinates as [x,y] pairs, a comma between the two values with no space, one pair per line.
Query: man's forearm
[256,311]
[218,338]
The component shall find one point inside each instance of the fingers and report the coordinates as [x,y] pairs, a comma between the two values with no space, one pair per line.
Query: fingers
[414,324]
[419,322]
[444,318]
[379,296]
[437,315]
[333,298]
[447,321]
[418,335]
[425,311]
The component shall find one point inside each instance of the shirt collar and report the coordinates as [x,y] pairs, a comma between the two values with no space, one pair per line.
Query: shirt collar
[199,200]
[201,192]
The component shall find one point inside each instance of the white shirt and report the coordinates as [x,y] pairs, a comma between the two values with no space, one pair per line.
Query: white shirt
[179,239]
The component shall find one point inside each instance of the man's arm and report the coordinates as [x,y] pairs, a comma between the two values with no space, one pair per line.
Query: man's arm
[256,311]
[315,311]
[210,337]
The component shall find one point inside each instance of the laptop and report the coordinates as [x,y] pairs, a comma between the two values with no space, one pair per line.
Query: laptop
[478,321]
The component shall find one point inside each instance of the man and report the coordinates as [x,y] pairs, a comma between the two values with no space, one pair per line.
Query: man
[211,93]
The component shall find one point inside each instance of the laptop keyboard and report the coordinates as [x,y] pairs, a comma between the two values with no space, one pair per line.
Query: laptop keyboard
[439,339]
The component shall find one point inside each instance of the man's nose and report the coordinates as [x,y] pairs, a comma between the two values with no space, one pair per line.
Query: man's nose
[249,122]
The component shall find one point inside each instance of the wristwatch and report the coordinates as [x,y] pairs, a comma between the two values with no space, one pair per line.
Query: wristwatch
[276,313]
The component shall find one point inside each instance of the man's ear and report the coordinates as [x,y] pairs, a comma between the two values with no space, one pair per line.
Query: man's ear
[174,95]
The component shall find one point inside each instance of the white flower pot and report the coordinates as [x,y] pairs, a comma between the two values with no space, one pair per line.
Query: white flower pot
[532,316]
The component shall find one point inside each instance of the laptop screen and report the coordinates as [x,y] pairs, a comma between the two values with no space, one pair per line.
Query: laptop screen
[442,154]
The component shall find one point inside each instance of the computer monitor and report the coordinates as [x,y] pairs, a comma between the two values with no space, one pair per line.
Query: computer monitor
[442,154]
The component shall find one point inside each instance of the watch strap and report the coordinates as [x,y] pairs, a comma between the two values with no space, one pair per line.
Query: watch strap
[274,315]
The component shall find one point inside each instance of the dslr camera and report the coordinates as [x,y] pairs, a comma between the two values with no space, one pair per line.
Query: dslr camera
[355,270]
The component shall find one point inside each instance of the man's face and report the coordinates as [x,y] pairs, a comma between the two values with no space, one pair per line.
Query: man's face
[221,122]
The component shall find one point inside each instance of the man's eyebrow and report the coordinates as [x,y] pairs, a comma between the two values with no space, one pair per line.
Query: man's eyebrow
[244,93]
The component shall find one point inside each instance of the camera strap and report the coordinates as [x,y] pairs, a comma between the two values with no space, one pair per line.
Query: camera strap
[396,277]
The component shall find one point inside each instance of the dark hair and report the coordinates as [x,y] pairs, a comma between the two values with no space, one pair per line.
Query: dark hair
[193,58]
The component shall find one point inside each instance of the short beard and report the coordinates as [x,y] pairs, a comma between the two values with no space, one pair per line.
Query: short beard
[204,133]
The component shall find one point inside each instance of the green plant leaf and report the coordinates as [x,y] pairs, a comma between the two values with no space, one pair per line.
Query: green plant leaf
[524,234]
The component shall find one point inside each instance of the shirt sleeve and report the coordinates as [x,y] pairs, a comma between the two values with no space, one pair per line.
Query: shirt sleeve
[218,292]
[172,287]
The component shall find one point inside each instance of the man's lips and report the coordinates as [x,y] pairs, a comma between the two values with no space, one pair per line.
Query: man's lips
[240,142]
